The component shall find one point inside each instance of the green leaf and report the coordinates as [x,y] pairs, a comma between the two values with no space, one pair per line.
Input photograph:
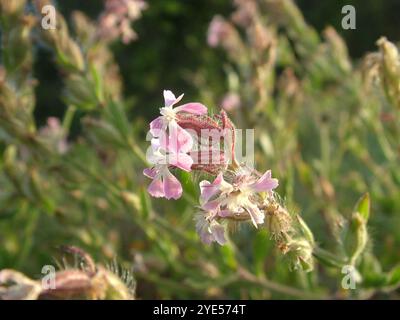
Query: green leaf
[394,277]
[228,256]
[145,203]
[117,116]
[363,206]
[305,229]
[261,247]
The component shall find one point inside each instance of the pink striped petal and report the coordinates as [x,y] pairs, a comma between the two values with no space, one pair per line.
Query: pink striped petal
[266,183]
[150,172]
[205,236]
[157,126]
[218,232]
[257,217]
[211,205]
[192,107]
[170,99]
[208,189]
[180,160]
[172,186]
[156,188]
[179,139]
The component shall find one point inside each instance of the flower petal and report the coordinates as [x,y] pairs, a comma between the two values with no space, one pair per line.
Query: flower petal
[205,236]
[180,160]
[202,229]
[208,189]
[211,206]
[170,99]
[157,127]
[156,188]
[172,186]
[257,216]
[225,213]
[265,183]
[154,155]
[218,232]
[179,139]
[192,107]
[150,172]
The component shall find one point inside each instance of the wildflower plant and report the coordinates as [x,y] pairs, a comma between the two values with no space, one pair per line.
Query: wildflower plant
[183,209]
[187,138]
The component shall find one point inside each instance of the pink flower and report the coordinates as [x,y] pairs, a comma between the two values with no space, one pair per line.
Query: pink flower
[231,101]
[170,146]
[217,31]
[164,183]
[208,191]
[210,230]
[117,17]
[238,199]
[168,120]
[265,183]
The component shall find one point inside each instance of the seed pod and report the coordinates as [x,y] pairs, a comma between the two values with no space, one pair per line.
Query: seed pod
[71,283]
[278,221]
[299,253]
[16,286]
[390,70]
[355,236]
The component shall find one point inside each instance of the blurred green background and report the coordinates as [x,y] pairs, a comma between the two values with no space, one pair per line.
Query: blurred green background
[172,46]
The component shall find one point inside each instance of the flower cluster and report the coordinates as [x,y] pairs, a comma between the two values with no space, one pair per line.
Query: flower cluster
[185,137]
[238,192]
[240,199]
[170,145]
[116,20]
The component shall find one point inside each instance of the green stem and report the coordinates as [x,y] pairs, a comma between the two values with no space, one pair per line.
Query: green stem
[251,279]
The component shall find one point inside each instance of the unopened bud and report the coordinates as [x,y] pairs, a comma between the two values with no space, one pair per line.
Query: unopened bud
[16,286]
[12,7]
[299,253]
[357,237]
[79,92]
[390,71]
[278,221]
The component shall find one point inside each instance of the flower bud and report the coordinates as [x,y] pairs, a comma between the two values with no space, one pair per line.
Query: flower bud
[74,54]
[355,236]
[299,253]
[390,70]
[16,286]
[115,288]
[79,92]
[12,8]
[84,28]
[278,221]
